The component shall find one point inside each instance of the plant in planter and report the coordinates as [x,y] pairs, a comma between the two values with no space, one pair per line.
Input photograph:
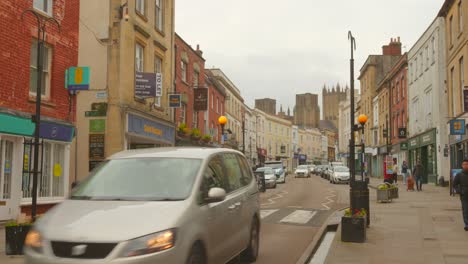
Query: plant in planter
[195,134]
[15,234]
[354,225]
[206,138]
[182,130]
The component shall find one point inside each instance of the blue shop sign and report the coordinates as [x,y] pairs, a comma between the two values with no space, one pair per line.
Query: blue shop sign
[457,127]
[57,132]
[149,128]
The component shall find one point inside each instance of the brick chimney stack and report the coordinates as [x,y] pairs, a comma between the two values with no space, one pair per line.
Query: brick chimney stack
[393,49]
[199,51]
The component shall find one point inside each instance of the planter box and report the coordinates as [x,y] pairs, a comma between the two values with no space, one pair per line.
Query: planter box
[394,193]
[14,239]
[384,196]
[353,229]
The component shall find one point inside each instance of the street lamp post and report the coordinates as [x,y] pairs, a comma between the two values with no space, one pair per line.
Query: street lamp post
[222,120]
[41,30]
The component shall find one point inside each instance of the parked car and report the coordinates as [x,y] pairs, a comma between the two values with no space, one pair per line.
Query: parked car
[340,174]
[165,205]
[280,170]
[270,176]
[324,171]
[302,171]
[311,169]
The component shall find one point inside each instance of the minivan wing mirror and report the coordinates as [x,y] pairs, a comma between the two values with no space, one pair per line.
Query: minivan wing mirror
[216,195]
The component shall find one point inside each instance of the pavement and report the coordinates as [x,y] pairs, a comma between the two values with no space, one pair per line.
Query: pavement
[419,227]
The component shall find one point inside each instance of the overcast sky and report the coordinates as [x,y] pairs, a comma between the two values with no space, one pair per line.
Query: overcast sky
[275,49]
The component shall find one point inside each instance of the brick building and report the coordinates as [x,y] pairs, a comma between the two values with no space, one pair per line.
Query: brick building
[18,64]
[216,98]
[189,75]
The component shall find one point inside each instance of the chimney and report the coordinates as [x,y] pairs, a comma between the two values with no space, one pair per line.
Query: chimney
[393,49]
[199,51]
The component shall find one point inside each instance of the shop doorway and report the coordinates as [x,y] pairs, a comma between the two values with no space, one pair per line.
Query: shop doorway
[7,164]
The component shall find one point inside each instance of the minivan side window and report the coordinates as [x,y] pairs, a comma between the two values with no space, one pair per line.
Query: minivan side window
[246,171]
[233,172]
[213,177]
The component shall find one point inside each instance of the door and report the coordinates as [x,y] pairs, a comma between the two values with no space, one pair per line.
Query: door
[425,163]
[218,229]
[6,171]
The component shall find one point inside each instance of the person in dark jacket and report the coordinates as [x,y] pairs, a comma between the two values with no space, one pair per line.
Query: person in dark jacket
[404,171]
[461,186]
[418,172]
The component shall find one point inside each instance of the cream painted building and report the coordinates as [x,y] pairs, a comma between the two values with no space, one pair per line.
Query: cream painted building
[234,108]
[310,144]
[112,116]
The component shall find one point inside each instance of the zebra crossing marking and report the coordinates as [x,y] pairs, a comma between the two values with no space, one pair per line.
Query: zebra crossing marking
[301,217]
[266,213]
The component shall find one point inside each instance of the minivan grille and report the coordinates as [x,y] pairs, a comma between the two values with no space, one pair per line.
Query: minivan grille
[82,250]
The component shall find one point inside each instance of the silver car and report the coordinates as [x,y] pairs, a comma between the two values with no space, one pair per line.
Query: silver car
[270,177]
[166,205]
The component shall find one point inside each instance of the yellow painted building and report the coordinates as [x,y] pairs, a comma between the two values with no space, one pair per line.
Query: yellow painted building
[116,41]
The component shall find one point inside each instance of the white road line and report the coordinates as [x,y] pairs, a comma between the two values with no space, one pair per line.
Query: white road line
[328,198]
[272,200]
[299,217]
[265,213]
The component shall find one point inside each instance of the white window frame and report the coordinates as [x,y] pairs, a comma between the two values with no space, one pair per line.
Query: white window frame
[55,192]
[460,17]
[46,70]
[159,15]
[451,31]
[139,57]
[140,7]
[183,70]
[44,6]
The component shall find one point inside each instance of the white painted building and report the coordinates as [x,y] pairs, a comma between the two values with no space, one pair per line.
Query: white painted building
[344,126]
[427,103]
[324,149]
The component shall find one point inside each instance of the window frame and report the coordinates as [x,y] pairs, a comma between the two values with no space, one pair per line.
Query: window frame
[460,18]
[46,71]
[159,16]
[183,71]
[142,59]
[48,5]
[140,4]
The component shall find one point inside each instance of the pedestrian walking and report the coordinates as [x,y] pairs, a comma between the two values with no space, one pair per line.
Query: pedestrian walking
[461,186]
[395,171]
[404,171]
[418,172]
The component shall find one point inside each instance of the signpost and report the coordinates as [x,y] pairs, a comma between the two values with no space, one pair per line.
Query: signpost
[145,84]
[77,78]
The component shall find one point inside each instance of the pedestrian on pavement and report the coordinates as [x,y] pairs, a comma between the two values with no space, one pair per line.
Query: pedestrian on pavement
[404,171]
[461,186]
[418,172]
[395,171]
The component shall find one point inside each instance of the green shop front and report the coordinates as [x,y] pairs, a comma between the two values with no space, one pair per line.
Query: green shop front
[16,163]
[423,147]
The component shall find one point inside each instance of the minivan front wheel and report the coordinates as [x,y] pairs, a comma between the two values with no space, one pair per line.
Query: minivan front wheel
[197,255]
[250,254]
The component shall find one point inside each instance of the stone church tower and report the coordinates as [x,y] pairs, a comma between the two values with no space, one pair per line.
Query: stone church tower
[331,100]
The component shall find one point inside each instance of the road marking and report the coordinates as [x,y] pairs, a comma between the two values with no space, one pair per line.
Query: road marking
[296,207]
[299,217]
[272,200]
[265,213]
[329,198]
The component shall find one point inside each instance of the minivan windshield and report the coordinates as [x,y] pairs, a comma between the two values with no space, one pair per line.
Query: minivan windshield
[140,179]
[341,169]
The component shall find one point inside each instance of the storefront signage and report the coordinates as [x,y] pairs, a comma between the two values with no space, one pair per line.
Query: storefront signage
[101,95]
[175,100]
[96,146]
[404,146]
[413,143]
[54,131]
[145,84]
[465,100]
[200,101]
[77,78]
[151,128]
[402,132]
[457,127]
[97,126]
[159,87]
[428,138]
[57,170]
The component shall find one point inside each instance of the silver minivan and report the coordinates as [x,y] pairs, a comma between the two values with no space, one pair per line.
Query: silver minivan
[164,205]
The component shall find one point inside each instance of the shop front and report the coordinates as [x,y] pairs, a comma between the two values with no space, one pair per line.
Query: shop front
[399,152]
[148,133]
[423,147]
[16,164]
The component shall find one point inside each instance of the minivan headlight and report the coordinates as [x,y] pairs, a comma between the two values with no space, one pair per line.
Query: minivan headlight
[33,241]
[149,244]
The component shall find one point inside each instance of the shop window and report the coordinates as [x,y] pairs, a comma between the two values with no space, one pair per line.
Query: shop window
[6,164]
[52,160]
